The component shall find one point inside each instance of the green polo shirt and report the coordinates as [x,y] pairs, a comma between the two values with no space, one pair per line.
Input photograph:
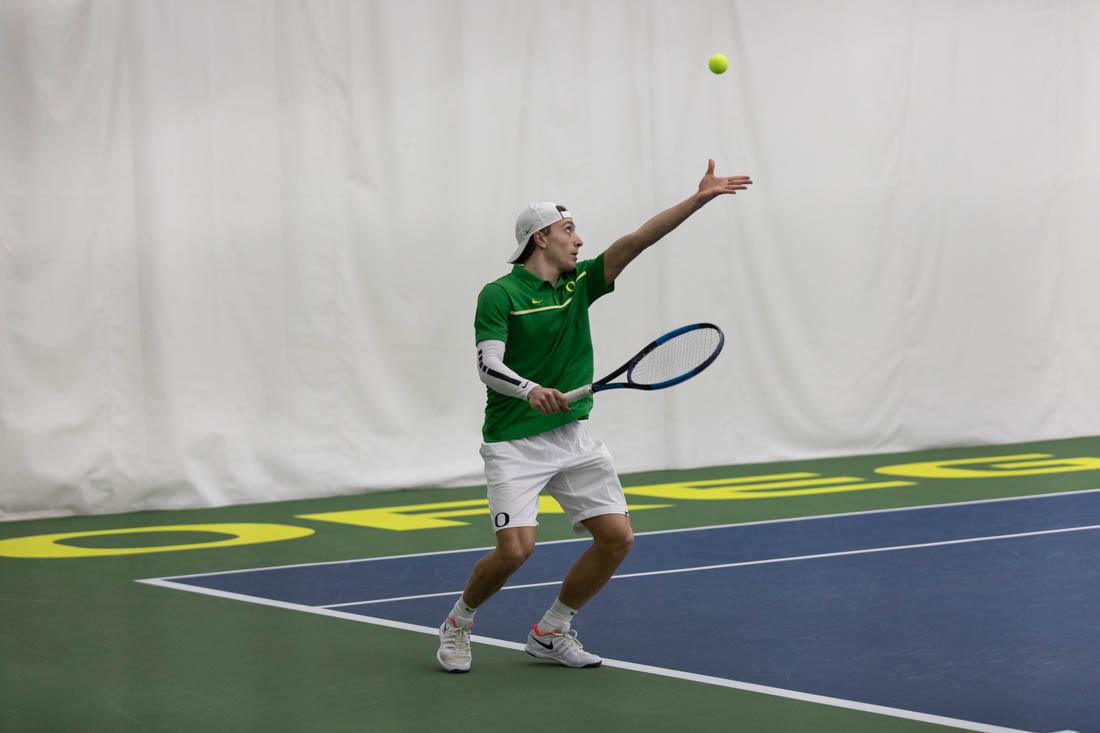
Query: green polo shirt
[546,338]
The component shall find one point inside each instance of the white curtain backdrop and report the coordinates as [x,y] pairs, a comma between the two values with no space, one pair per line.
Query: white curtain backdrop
[240,241]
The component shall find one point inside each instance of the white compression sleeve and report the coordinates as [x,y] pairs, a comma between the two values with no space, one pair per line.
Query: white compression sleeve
[498,377]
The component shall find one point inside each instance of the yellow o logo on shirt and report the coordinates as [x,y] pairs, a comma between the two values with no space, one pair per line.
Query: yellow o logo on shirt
[571,286]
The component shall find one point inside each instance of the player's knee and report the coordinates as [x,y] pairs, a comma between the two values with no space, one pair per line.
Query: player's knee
[626,542]
[513,554]
[617,542]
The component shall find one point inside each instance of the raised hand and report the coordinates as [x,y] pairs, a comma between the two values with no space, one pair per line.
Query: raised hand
[712,185]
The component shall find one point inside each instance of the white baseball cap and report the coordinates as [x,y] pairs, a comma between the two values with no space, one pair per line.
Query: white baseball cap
[533,218]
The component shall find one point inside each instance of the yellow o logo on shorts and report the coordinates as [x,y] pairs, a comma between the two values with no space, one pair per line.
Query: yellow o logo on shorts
[46,545]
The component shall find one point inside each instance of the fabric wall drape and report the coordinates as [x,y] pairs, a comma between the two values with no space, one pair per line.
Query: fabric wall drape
[240,242]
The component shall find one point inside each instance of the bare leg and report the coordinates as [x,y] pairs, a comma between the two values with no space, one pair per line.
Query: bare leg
[492,571]
[612,539]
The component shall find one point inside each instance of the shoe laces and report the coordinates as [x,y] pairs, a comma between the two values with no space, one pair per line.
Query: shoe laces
[569,638]
[456,638]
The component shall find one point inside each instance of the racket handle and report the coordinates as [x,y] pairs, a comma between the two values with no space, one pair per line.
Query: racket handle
[579,393]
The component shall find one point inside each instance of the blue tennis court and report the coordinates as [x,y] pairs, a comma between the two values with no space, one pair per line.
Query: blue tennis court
[982,613]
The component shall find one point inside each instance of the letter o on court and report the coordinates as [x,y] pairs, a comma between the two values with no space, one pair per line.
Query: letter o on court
[48,545]
[501,519]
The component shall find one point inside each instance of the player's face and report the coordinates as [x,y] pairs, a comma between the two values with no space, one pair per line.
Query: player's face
[563,244]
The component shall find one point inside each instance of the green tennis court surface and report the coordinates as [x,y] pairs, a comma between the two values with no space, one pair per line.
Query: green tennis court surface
[84,647]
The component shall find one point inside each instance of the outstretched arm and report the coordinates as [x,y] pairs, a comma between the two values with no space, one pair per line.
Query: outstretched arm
[623,251]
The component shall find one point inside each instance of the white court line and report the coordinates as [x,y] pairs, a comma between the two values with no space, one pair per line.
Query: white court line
[650,532]
[630,666]
[747,563]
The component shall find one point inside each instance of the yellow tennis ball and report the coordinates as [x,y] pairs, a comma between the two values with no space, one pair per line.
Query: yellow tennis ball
[718,63]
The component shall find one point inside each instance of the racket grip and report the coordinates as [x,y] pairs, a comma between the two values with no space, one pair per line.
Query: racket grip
[579,393]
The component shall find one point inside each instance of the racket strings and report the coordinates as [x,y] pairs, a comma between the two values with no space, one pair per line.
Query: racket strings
[676,357]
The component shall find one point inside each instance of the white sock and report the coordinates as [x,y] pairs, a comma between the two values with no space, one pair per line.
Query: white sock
[557,618]
[462,614]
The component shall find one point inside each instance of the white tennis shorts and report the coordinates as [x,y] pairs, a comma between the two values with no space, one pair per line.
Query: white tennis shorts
[568,462]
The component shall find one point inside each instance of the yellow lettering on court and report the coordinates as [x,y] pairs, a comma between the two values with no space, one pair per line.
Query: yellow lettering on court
[759,487]
[1024,464]
[432,516]
[47,545]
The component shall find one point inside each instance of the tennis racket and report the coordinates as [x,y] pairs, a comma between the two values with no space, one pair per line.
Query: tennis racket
[670,359]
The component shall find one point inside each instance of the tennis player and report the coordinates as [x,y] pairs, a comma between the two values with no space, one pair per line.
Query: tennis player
[533,344]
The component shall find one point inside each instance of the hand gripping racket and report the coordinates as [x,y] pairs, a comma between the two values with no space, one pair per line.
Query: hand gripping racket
[667,361]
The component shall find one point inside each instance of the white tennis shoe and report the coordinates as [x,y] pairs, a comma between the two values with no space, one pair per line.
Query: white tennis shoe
[561,647]
[454,646]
